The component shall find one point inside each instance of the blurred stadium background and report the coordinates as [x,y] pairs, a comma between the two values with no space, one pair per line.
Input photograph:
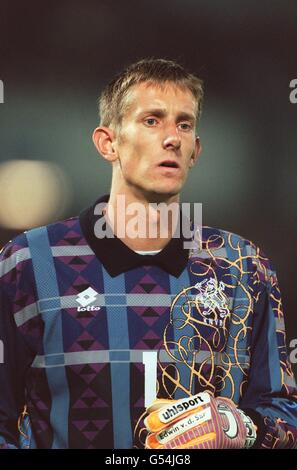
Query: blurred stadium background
[55,57]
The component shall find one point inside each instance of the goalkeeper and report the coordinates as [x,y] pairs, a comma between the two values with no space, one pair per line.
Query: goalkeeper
[95,327]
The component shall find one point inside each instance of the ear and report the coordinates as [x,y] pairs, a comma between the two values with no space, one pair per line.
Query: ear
[196,153]
[103,138]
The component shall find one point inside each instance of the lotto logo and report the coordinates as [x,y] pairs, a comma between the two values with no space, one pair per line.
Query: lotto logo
[86,297]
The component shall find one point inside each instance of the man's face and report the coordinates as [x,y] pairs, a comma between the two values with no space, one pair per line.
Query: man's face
[156,143]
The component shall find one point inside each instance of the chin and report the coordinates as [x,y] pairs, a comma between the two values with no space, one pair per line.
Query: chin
[159,194]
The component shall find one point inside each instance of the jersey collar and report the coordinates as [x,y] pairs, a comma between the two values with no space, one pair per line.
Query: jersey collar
[117,257]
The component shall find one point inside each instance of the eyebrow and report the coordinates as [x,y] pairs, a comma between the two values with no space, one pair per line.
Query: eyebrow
[160,112]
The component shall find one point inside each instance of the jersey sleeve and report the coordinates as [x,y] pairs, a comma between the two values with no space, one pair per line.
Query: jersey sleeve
[270,397]
[16,355]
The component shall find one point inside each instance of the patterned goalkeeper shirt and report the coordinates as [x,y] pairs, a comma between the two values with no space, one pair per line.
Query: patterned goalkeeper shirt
[92,332]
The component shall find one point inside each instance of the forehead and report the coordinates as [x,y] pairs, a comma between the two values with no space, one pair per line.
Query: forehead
[169,96]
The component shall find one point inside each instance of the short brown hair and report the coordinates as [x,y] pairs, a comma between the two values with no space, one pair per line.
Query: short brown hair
[161,71]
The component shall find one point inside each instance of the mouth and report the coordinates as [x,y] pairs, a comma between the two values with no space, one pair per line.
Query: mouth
[169,164]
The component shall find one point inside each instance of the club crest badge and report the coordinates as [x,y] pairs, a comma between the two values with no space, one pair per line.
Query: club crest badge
[213,300]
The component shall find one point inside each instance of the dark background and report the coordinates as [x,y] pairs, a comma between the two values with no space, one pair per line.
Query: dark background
[55,57]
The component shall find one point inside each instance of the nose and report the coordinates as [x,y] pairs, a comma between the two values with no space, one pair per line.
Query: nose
[172,140]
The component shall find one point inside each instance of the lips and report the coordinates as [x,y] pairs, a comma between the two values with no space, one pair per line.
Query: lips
[169,164]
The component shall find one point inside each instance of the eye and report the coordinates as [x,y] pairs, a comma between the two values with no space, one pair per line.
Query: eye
[185,126]
[150,121]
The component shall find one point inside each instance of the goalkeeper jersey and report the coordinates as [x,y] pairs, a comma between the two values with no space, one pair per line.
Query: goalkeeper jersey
[92,332]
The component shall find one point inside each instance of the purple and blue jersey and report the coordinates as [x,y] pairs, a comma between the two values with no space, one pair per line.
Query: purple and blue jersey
[93,331]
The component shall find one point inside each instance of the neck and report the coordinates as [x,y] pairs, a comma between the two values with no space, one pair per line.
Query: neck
[138,222]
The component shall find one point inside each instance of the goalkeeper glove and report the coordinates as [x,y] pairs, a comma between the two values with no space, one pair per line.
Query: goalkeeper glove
[198,422]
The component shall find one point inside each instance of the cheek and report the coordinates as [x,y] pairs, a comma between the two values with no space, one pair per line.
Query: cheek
[131,159]
[189,150]
[190,144]
[129,140]
[137,151]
